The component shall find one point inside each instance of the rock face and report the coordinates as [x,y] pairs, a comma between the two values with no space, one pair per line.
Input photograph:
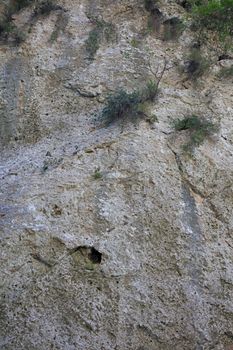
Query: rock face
[112,237]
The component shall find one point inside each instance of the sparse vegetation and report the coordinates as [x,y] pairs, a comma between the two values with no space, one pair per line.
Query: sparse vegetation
[196,65]
[124,106]
[226,72]
[173,28]
[150,91]
[199,129]
[121,104]
[97,174]
[18,5]
[135,43]
[154,20]
[102,31]
[8,30]
[92,43]
[44,8]
[215,15]
[60,25]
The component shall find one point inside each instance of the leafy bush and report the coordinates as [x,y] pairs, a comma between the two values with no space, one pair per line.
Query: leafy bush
[196,65]
[199,129]
[122,105]
[214,15]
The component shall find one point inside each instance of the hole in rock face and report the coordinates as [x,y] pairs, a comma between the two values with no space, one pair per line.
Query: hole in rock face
[224,57]
[186,5]
[192,66]
[196,45]
[56,211]
[89,253]
[95,256]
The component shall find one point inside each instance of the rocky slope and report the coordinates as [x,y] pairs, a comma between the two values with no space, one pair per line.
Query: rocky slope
[112,237]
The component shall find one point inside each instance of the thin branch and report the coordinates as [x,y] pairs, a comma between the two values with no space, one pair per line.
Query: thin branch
[155,73]
[162,73]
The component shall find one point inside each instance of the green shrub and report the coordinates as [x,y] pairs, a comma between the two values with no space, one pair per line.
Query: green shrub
[122,105]
[173,28]
[196,65]
[216,15]
[97,174]
[199,129]
[135,43]
[102,31]
[8,30]
[149,92]
[45,7]
[92,43]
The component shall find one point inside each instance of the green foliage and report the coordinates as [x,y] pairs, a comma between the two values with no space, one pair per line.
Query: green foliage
[199,129]
[196,65]
[135,43]
[173,28]
[149,92]
[45,7]
[151,119]
[155,15]
[188,123]
[150,25]
[92,43]
[122,105]
[107,30]
[216,15]
[226,72]
[97,174]
[5,27]
[102,31]
[60,25]
[15,6]
[8,30]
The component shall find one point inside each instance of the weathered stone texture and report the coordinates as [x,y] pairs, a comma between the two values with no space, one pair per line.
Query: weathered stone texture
[161,220]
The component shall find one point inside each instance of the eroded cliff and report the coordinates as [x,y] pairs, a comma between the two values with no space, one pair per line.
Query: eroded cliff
[113,237]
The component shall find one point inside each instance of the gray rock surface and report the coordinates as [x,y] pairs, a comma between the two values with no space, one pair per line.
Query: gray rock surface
[141,256]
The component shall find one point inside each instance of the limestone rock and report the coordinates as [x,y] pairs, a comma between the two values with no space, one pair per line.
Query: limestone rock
[140,256]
